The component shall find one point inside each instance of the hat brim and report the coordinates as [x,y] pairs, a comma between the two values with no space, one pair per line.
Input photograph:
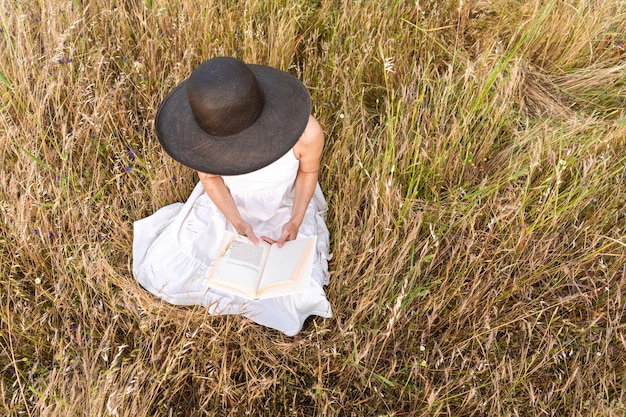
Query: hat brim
[277,129]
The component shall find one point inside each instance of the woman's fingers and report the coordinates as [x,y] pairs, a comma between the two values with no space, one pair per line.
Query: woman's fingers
[290,231]
[268,240]
[253,238]
[248,232]
[288,234]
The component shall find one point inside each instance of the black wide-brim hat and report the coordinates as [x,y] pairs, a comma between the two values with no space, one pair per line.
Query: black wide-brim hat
[232,118]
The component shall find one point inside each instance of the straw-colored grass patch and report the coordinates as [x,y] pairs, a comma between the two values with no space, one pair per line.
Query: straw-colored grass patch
[475,172]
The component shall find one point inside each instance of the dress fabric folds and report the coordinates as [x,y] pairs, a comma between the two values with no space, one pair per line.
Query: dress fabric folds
[174,247]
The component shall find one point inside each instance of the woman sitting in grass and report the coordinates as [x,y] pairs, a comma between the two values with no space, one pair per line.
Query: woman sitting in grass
[248,131]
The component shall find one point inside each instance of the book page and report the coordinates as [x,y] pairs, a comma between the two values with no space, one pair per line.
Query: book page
[288,267]
[237,268]
[246,255]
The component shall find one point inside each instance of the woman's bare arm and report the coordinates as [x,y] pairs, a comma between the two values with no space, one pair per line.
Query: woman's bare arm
[308,150]
[217,190]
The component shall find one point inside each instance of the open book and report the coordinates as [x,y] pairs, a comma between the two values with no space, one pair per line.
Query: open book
[263,270]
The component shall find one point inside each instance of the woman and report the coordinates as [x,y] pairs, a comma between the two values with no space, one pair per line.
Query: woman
[248,131]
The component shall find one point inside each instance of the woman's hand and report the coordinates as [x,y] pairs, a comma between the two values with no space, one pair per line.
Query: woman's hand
[246,229]
[290,232]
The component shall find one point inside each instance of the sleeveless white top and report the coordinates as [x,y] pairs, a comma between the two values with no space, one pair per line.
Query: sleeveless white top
[174,247]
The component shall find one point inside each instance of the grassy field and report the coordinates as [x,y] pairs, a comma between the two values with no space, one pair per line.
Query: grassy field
[475,170]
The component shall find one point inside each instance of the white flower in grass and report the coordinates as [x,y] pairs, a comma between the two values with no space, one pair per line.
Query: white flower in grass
[389,65]
[37,280]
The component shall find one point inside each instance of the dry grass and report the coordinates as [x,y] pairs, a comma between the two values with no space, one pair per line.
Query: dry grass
[476,174]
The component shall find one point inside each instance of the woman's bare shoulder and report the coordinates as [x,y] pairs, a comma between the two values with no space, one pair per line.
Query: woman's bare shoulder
[313,131]
[311,140]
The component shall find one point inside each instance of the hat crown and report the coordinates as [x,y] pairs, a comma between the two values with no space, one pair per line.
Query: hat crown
[225,96]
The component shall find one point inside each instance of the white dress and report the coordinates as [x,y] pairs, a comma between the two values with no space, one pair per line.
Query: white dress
[174,247]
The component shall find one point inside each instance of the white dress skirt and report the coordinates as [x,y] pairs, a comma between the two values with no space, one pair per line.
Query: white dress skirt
[173,248]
